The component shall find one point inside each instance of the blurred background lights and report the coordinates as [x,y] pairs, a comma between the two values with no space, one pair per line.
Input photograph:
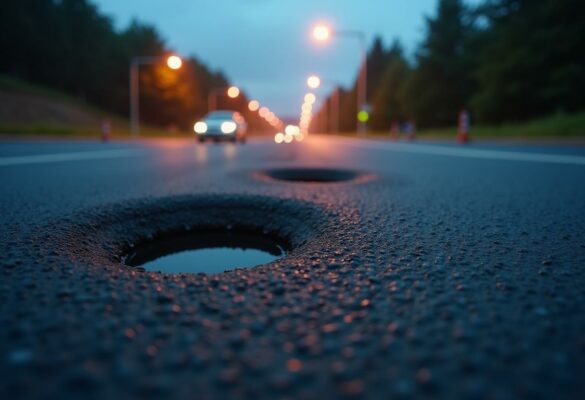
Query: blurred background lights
[313,82]
[174,62]
[253,105]
[363,116]
[233,92]
[321,32]
[310,98]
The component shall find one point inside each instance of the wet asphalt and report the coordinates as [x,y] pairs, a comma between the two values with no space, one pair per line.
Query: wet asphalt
[425,270]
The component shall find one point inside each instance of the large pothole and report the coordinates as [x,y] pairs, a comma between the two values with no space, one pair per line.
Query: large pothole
[255,230]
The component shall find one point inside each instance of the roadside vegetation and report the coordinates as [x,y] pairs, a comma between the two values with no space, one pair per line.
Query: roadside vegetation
[556,127]
[70,47]
[517,66]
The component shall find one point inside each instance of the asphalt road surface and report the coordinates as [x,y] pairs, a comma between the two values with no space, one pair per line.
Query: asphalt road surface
[433,270]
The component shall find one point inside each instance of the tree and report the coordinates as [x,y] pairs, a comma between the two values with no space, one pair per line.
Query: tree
[442,82]
[69,46]
[389,102]
[534,62]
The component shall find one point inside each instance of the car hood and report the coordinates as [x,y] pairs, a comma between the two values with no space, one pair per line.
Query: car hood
[216,123]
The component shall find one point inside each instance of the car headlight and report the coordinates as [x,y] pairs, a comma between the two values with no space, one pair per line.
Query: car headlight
[200,127]
[228,127]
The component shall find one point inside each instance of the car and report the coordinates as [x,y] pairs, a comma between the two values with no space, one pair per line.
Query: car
[222,126]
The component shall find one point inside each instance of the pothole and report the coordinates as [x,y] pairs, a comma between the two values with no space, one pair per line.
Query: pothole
[209,252]
[244,230]
[312,175]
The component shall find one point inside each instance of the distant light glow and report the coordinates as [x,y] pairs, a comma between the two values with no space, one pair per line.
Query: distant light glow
[363,116]
[279,137]
[253,105]
[174,62]
[313,82]
[321,32]
[264,112]
[233,92]
[292,130]
[288,138]
[310,98]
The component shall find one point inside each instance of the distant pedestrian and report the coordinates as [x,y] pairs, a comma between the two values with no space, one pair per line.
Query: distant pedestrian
[410,130]
[394,130]
[106,129]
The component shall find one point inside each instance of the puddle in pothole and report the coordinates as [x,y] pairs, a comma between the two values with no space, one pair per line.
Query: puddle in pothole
[207,252]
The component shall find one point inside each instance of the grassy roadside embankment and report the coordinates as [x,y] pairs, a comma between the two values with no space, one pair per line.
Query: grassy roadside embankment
[28,110]
[559,127]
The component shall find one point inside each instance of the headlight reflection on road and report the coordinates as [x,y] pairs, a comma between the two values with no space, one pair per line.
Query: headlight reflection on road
[201,154]
[229,151]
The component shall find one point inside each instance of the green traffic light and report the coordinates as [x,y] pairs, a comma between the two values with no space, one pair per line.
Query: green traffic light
[363,116]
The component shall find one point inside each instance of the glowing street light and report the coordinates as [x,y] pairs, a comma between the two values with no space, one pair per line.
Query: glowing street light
[321,33]
[292,130]
[313,82]
[310,98]
[264,111]
[253,105]
[173,62]
[233,92]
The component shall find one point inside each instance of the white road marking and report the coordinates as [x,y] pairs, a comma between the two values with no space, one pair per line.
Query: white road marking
[468,152]
[73,156]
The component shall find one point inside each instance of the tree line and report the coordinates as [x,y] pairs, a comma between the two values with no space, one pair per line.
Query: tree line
[505,61]
[70,46]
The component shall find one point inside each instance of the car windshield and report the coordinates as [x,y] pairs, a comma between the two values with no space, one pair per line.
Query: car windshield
[221,115]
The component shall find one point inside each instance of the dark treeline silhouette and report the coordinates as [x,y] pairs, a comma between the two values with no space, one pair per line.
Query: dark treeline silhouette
[69,46]
[506,61]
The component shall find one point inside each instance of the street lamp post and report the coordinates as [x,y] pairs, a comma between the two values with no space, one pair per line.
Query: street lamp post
[323,33]
[173,62]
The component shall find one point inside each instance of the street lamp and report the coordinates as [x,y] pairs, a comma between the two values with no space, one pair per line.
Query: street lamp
[173,62]
[232,92]
[253,105]
[323,33]
[313,82]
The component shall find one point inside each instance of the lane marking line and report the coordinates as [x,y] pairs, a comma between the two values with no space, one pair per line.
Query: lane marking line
[73,156]
[470,153]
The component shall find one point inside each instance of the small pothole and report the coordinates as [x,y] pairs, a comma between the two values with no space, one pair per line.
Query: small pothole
[312,175]
[209,252]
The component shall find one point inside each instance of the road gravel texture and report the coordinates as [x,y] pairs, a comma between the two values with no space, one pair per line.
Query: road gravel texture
[419,277]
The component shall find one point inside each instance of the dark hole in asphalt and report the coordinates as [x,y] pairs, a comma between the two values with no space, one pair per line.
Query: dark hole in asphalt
[209,252]
[311,175]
